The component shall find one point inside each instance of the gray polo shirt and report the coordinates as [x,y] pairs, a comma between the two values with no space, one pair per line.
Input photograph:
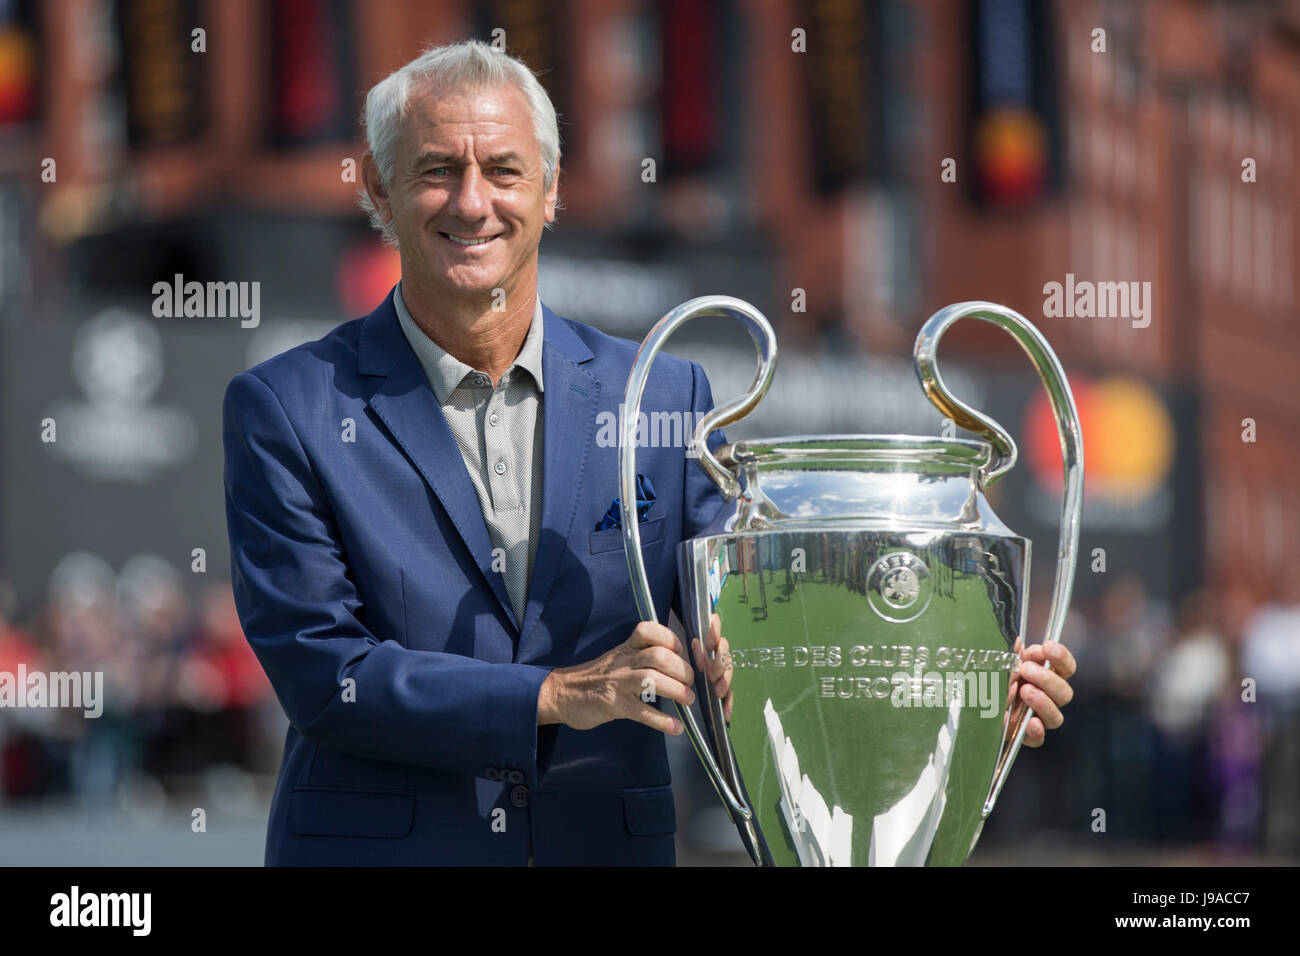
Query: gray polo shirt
[499,433]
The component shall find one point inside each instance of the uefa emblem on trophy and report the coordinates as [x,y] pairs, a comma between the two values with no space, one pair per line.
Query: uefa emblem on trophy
[874,608]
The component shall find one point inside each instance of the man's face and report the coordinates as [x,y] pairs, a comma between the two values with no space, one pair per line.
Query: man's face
[467,199]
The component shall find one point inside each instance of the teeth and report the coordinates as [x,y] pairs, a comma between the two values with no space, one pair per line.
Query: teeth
[468,242]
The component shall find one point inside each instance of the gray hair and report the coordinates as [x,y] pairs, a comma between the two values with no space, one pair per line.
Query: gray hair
[471,65]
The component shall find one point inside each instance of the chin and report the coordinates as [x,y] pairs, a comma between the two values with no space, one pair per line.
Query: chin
[470,288]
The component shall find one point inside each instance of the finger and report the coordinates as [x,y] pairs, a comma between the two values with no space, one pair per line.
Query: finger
[1034,652]
[650,634]
[1063,661]
[653,717]
[721,683]
[1034,733]
[716,668]
[721,677]
[720,661]
[722,687]
[715,632]
[726,709]
[653,685]
[1050,682]
[666,662]
[1044,707]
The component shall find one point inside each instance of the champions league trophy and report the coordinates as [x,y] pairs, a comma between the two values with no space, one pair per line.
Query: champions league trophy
[874,609]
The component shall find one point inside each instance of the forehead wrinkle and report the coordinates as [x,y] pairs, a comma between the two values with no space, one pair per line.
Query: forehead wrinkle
[428,114]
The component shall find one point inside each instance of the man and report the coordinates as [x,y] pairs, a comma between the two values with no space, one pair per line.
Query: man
[415,508]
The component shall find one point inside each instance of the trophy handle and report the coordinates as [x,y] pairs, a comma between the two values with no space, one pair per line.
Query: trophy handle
[1049,370]
[732,411]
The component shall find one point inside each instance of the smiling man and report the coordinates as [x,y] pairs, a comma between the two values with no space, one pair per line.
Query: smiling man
[416,506]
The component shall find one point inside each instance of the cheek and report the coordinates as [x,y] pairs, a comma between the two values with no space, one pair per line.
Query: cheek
[417,208]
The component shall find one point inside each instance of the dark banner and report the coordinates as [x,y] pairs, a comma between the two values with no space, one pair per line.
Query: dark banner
[1014,122]
[535,31]
[311,72]
[19,63]
[693,83]
[842,70]
[161,71]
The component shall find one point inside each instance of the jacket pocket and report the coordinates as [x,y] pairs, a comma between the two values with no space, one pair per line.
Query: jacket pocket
[612,538]
[649,810]
[335,811]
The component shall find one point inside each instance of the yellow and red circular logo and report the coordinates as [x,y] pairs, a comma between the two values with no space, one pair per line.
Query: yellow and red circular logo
[1128,439]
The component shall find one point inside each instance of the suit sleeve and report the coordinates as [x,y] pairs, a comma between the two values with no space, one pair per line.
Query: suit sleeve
[703,500]
[298,606]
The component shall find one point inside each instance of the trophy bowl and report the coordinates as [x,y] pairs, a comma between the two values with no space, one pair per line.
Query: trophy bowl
[872,607]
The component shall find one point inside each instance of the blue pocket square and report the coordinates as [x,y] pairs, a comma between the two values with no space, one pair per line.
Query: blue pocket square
[645,496]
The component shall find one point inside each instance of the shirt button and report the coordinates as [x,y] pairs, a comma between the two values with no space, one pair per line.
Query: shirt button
[519,796]
[480,380]
[500,468]
[493,418]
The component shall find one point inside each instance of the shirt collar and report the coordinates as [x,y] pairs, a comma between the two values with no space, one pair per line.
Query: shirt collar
[444,371]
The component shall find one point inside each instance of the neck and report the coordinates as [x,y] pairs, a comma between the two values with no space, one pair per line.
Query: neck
[486,339]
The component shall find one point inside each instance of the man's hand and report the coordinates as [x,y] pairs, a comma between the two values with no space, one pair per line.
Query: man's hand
[1046,691]
[718,666]
[611,687]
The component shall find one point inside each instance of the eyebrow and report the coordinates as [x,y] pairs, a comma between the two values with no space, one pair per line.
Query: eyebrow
[447,159]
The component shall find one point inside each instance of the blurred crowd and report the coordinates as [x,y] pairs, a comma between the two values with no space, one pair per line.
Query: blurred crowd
[183,694]
[1184,729]
[1185,724]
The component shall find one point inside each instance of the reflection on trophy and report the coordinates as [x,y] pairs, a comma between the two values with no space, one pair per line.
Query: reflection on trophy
[874,610]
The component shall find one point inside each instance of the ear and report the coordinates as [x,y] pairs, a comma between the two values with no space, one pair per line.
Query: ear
[375,187]
[552,196]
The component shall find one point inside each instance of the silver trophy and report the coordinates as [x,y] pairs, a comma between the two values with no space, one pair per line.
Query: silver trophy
[873,608]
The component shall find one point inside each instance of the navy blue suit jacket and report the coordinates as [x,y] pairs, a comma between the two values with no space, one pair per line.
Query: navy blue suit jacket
[363,575]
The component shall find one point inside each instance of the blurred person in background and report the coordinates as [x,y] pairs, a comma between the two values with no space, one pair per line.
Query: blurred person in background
[24,770]
[1183,690]
[1237,736]
[85,634]
[224,685]
[1270,654]
[156,627]
[1128,639]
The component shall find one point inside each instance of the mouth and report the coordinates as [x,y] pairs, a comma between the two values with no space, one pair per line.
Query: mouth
[468,242]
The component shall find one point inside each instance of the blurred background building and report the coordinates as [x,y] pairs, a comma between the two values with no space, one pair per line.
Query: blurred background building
[848,167]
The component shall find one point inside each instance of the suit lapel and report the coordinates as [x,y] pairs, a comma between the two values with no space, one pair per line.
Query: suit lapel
[405,403]
[569,405]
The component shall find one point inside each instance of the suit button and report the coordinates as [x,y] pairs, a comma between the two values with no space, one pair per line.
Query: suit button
[493,773]
[515,776]
[519,796]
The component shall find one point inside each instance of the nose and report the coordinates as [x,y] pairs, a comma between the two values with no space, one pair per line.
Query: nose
[469,200]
